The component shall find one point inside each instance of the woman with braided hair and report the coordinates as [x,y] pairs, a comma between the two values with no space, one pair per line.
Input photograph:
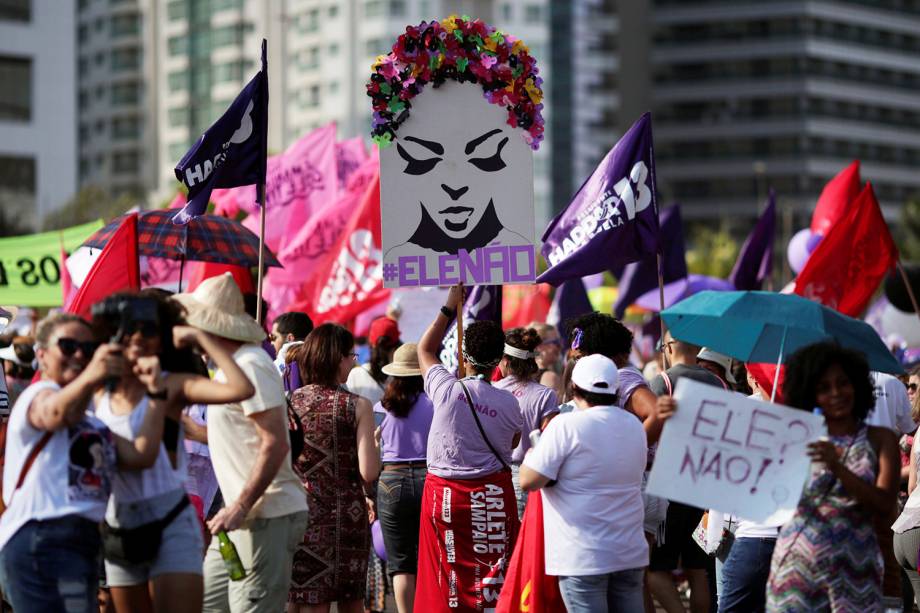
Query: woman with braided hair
[469,517]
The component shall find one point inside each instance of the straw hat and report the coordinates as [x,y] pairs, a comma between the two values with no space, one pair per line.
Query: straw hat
[216,306]
[405,362]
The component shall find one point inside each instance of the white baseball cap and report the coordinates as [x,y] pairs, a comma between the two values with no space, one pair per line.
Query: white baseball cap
[596,373]
[719,358]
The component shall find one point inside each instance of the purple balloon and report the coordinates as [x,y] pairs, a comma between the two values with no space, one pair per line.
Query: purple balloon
[798,250]
[377,536]
[812,243]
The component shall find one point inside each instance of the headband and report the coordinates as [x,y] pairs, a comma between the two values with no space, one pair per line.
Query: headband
[519,353]
[477,363]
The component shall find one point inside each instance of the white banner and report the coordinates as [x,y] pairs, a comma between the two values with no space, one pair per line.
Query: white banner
[727,452]
[456,194]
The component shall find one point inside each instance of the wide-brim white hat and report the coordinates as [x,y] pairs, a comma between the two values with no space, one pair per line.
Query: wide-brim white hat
[405,362]
[719,358]
[216,306]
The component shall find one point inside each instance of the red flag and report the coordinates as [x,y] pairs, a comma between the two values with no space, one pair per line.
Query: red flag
[522,304]
[528,589]
[849,264]
[115,270]
[205,270]
[835,198]
[350,278]
[765,374]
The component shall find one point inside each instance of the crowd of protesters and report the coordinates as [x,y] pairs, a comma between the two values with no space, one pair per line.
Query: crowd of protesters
[136,448]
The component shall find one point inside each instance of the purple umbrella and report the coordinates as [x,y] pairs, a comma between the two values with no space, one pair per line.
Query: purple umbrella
[675,291]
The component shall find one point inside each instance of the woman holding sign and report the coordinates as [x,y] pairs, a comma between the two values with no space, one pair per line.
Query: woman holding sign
[469,512]
[827,557]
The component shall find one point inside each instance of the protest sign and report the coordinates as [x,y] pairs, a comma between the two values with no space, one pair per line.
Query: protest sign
[30,273]
[457,194]
[727,452]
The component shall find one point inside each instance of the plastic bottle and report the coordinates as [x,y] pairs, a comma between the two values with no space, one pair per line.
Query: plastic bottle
[231,558]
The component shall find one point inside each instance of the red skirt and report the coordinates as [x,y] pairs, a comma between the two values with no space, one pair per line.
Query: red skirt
[466,536]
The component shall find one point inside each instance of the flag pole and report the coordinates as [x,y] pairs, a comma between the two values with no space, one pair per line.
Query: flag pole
[260,188]
[664,353]
[910,290]
[181,270]
[460,369]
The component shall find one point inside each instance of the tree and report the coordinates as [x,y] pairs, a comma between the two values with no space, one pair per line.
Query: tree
[711,251]
[88,204]
[907,232]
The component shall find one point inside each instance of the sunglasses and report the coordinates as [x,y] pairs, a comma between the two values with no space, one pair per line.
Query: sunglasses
[70,346]
[147,328]
[912,387]
[659,346]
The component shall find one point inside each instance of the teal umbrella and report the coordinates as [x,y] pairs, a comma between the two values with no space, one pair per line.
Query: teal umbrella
[767,327]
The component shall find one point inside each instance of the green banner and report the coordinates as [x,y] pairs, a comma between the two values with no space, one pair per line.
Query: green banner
[30,273]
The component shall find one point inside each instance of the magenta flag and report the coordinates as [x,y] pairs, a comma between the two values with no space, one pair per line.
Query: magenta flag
[312,242]
[349,155]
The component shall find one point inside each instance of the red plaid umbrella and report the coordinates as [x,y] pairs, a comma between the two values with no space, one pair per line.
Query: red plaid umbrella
[206,238]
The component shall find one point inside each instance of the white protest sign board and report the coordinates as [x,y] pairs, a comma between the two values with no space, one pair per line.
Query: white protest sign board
[456,194]
[730,453]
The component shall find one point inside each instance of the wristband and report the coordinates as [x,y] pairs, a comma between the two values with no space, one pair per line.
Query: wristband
[446,312]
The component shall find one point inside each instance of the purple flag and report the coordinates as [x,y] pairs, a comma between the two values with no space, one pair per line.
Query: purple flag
[755,261]
[483,303]
[232,152]
[570,301]
[613,219]
[639,277]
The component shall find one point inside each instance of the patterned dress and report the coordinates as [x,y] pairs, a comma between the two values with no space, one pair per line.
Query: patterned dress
[827,557]
[331,562]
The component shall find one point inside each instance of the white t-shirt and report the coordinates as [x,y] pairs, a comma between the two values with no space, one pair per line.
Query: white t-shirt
[135,485]
[70,476]
[593,516]
[282,354]
[234,440]
[361,382]
[892,405]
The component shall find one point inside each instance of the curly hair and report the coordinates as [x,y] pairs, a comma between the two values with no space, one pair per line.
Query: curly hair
[321,353]
[600,333]
[527,339]
[804,370]
[484,342]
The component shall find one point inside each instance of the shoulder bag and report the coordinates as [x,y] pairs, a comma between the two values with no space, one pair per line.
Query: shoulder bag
[469,401]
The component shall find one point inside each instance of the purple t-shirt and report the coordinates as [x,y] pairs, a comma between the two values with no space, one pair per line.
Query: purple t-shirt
[456,449]
[536,402]
[405,439]
[630,379]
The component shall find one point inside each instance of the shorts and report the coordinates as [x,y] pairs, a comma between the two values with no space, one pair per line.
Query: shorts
[181,548]
[679,549]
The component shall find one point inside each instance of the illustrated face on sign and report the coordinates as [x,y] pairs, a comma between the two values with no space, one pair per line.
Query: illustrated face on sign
[465,170]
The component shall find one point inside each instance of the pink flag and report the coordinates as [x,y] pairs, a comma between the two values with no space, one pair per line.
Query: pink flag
[349,155]
[313,242]
[300,181]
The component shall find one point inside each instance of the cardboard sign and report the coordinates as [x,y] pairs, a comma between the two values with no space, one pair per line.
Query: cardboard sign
[727,452]
[456,194]
[30,272]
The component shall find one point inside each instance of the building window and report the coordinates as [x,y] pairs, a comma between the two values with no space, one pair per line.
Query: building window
[16,102]
[125,25]
[224,5]
[309,21]
[15,10]
[82,33]
[312,98]
[177,81]
[125,162]
[178,116]
[177,150]
[17,184]
[397,8]
[231,71]
[507,12]
[176,10]
[373,8]
[333,11]
[100,24]
[126,128]
[375,47]
[99,59]
[533,13]
[178,45]
[227,36]
[333,87]
[125,93]
[333,49]
[126,59]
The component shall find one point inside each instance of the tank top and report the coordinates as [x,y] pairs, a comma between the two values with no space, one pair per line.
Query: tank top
[135,485]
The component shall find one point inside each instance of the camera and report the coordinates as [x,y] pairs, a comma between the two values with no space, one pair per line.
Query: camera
[121,316]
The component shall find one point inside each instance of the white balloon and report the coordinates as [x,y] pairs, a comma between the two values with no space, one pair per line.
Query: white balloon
[904,325]
[797,251]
